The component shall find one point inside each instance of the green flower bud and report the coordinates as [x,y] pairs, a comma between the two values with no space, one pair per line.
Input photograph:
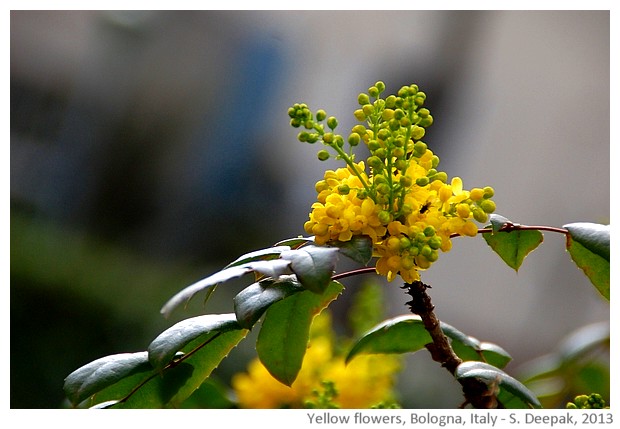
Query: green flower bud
[406,209]
[368,109]
[309,125]
[375,163]
[338,140]
[412,90]
[390,102]
[381,153]
[332,122]
[320,186]
[420,147]
[380,86]
[303,136]
[402,92]
[399,142]
[363,99]
[399,114]
[424,113]
[419,98]
[344,189]
[359,129]
[435,161]
[487,205]
[394,124]
[426,122]
[405,181]
[312,138]
[323,155]
[387,114]
[362,194]
[426,251]
[320,115]
[422,181]
[354,139]
[401,164]
[373,145]
[373,91]
[398,152]
[431,172]
[417,132]
[433,256]
[384,217]
[488,192]
[359,115]
[429,231]
[479,215]
[383,134]
[328,138]
[295,123]
[435,242]
[442,176]
[405,122]
[383,188]
[379,178]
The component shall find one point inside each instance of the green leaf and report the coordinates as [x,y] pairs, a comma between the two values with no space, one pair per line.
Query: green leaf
[403,334]
[163,348]
[313,265]
[295,242]
[283,338]
[514,246]
[511,392]
[593,236]
[259,255]
[272,268]
[104,372]
[358,248]
[472,349]
[589,247]
[406,334]
[253,301]
[177,382]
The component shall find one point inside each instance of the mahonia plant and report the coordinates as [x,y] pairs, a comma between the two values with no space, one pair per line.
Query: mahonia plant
[395,208]
[402,202]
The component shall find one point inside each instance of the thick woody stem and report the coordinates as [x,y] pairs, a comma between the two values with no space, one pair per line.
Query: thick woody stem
[476,392]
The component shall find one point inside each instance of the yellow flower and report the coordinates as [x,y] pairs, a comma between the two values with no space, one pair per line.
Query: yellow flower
[366,381]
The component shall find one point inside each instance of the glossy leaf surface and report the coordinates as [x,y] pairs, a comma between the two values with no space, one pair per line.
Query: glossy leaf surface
[253,301]
[313,266]
[174,339]
[514,246]
[512,392]
[104,372]
[589,247]
[283,338]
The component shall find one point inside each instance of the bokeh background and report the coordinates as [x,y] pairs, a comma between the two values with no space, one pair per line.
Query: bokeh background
[150,148]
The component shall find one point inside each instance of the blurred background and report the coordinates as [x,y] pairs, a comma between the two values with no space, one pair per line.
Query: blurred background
[151,148]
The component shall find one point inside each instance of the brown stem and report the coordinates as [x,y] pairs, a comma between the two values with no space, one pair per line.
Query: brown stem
[476,392]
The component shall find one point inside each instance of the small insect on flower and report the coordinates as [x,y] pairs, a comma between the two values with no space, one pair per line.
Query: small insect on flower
[424,208]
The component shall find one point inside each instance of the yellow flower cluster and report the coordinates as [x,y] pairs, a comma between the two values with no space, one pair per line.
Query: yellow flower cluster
[339,214]
[366,381]
[404,204]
